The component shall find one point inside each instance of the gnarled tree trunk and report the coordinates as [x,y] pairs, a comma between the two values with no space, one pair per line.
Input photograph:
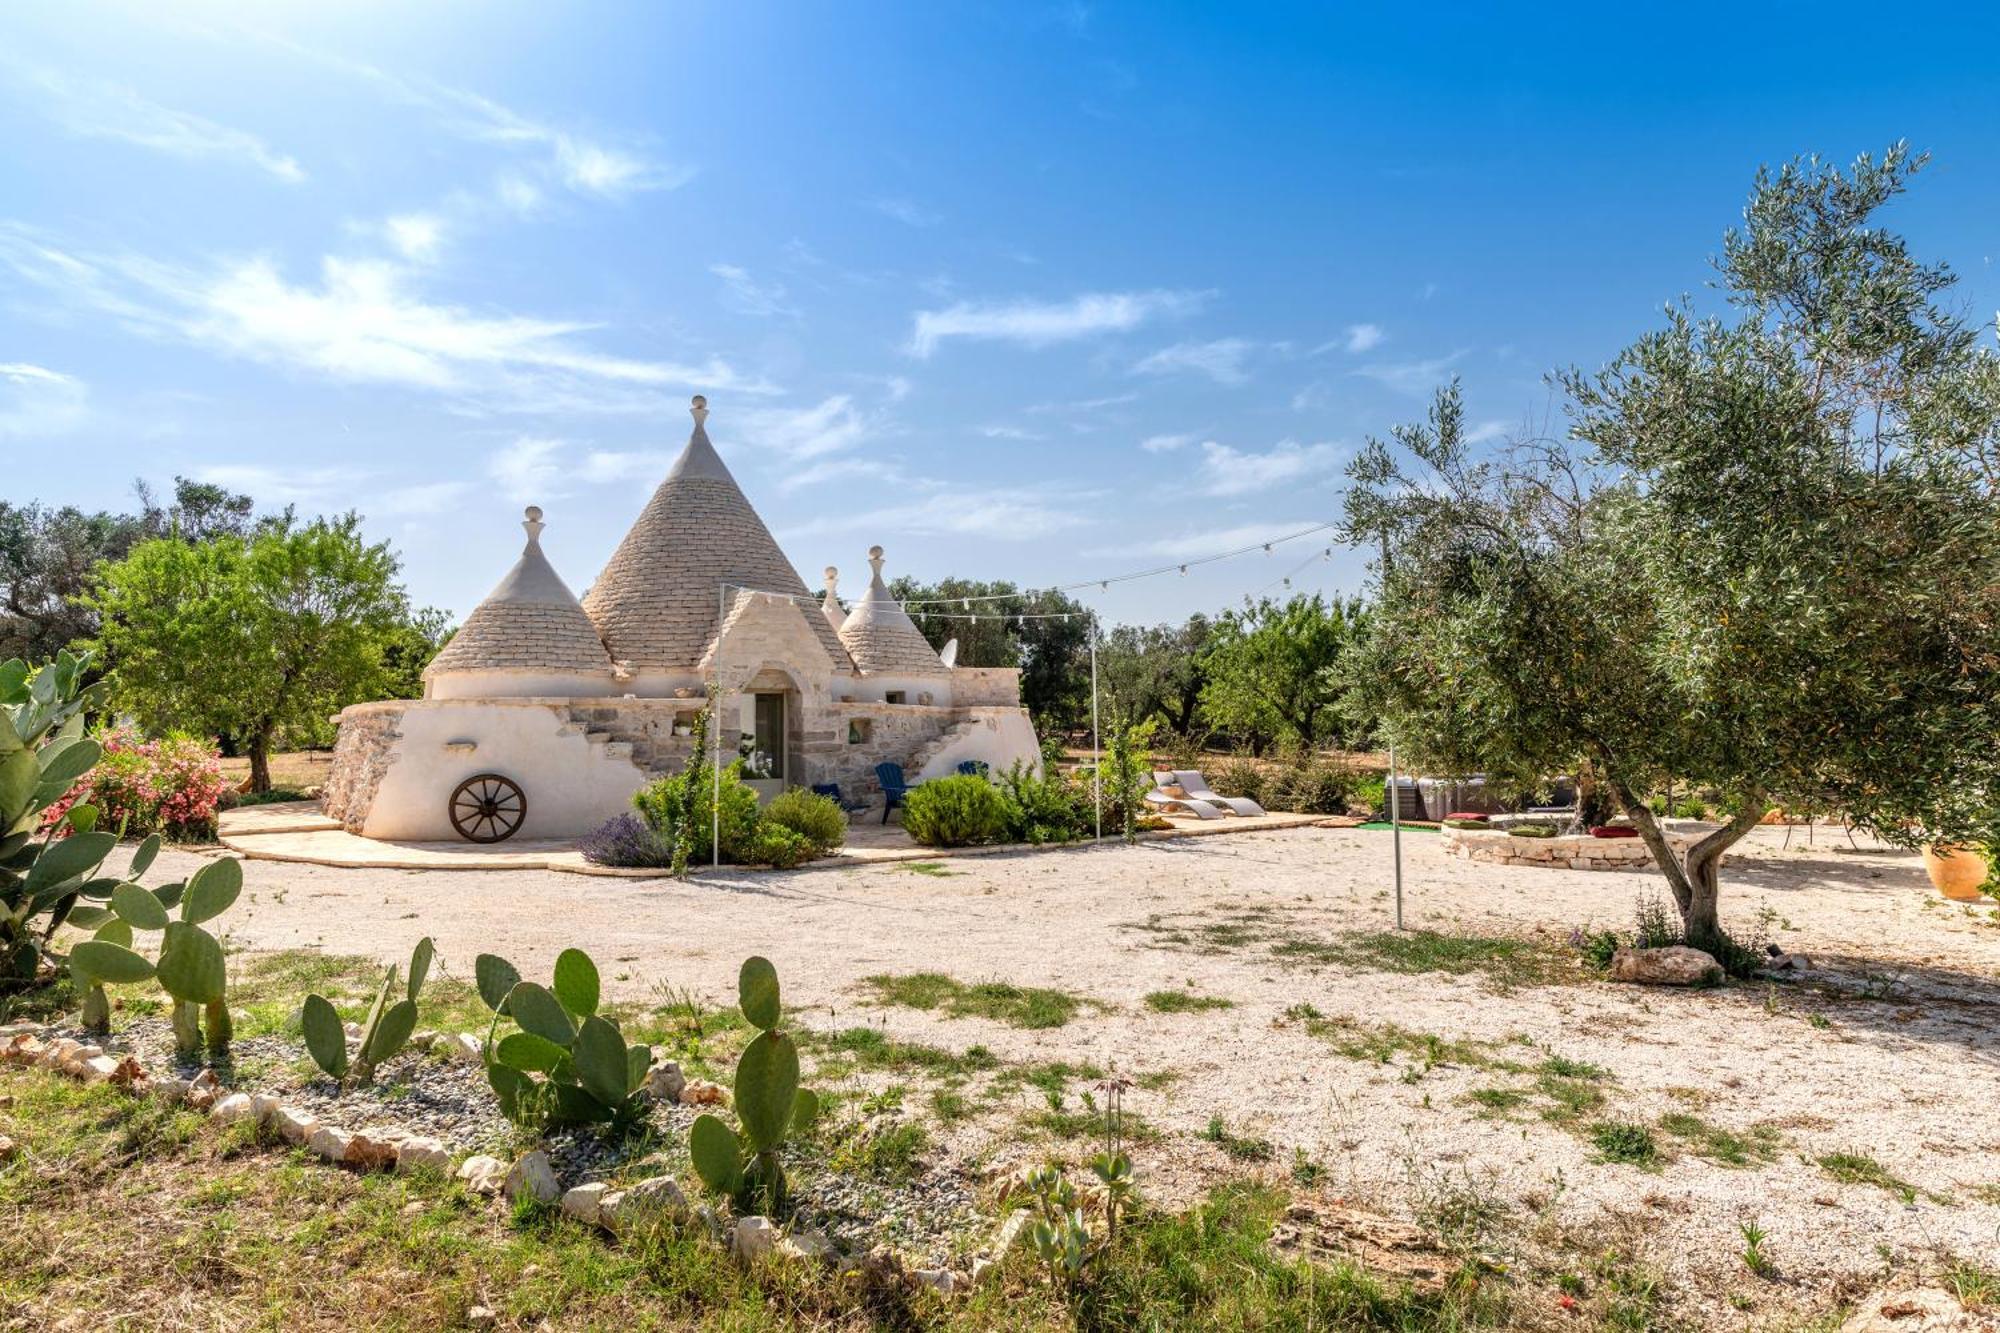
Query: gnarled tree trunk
[1696,881]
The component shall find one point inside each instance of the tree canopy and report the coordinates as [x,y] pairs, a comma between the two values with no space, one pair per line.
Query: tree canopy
[1006,626]
[247,635]
[1766,560]
[1275,669]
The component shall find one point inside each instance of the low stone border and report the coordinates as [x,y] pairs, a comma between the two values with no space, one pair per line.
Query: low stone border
[1565,852]
[748,1239]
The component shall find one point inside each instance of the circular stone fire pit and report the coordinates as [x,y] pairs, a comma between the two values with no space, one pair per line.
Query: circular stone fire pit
[1566,852]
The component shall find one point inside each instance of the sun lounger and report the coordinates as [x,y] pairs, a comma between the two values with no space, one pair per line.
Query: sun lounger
[1163,800]
[1196,786]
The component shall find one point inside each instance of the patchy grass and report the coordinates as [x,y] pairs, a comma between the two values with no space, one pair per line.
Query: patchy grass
[934,869]
[850,1049]
[1242,1148]
[1016,1006]
[1626,1141]
[1757,1146]
[1853,1168]
[890,1153]
[1503,963]
[1384,1043]
[1182,1002]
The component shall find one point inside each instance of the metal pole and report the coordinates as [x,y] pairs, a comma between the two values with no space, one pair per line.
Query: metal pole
[1396,832]
[1097,757]
[715,708]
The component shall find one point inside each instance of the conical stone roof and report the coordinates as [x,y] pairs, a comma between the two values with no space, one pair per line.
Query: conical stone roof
[530,622]
[880,635]
[655,602]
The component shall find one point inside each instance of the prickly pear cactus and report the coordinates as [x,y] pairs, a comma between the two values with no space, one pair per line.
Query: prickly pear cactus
[770,1104]
[567,1063]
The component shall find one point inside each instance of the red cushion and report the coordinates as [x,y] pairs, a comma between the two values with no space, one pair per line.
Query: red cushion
[1614,831]
[1469,815]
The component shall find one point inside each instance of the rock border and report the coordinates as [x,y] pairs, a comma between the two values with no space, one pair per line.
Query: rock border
[749,1240]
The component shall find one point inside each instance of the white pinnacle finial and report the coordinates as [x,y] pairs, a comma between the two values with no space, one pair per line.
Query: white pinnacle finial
[700,409]
[532,520]
[875,562]
[832,580]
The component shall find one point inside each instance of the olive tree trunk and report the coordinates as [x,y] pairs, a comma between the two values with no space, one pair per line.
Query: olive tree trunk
[1696,880]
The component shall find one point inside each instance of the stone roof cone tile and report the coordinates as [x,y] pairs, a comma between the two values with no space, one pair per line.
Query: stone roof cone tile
[655,604]
[530,622]
[880,635]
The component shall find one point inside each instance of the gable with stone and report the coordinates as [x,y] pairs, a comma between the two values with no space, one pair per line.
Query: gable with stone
[576,704]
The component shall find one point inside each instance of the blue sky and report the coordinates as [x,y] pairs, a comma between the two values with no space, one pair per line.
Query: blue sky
[1017,291]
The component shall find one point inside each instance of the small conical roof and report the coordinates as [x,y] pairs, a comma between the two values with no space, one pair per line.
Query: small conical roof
[881,636]
[531,622]
[655,603]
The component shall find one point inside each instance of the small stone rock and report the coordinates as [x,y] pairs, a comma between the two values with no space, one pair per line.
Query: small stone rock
[129,1074]
[1675,965]
[532,1175]
[585,1202]
[294,1125]
[25,1048]
[983,1271]
[330,1143]
[264,1109]
[423,1041]
[752,1239]
[236,1106]
[97,1068]
[610,1211]
[809,1245]
[370,1151]
[413,1208]
[7,1149]
[466,1048]
[479,1316]
[483,1174]
[206,1081]
[417,1151]
[665,1082]
[170,1090]
[700,1092]
[353,1031]
[941,1280]
[200,1099]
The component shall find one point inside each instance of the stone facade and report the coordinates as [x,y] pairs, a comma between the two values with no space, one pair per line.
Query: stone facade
[362,754]
[1580,852]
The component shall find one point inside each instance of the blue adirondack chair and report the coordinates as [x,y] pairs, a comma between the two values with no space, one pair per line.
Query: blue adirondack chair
[894,788]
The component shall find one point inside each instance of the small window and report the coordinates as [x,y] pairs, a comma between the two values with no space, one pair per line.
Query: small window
[859,730]
[893,697]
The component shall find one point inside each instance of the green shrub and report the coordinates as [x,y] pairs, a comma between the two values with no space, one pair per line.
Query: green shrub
[954,812]
[1371,794]
[1242,777]
[693,790]
[1312,787]
[777,845]
[1041,809]
[816,818]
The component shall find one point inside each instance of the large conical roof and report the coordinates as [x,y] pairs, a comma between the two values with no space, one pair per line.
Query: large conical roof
[531,622]
[655,603]
[880,635]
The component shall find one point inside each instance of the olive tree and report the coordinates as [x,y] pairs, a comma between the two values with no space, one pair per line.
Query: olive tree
[1765,560]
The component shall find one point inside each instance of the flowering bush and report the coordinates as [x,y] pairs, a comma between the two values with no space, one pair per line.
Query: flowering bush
[629,841]
[170,787]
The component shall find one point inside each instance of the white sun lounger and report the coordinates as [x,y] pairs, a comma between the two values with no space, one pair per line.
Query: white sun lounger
[1162,799]
[1196,786]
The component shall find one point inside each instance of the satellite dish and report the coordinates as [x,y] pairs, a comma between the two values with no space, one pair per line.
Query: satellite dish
[950,655]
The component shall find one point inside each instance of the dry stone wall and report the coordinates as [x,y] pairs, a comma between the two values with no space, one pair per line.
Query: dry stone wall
[365,748]
[1580,852]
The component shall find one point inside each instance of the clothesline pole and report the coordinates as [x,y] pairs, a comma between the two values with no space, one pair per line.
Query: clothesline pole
[715,729]
[1096,757]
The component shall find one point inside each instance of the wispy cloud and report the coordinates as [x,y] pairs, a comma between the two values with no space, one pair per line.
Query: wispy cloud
[1165,444]
[906,211]
[96,109]
[1226,471]
[423,498]
[415,236]
[1486,431]
[362,321]
[1221,360]
[528,469]
[987,512]
[742,291]
[1008,433]
[603,466]
[1415,378]
[1363,337]
[831,426]
[278,485]
[36,402]
[1041,323]
[1194,543]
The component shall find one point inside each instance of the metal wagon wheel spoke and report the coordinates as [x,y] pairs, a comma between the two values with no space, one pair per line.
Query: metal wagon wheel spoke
[487,807]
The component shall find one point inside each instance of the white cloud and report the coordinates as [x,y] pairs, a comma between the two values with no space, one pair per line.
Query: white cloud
[100,110]
[906,211]
[1416,378]
[1194,544]
[1221,360]
[424,498]
[591,168]
[278,485]
[1008,433]
[743,292]
[966,512]
[1165,444]
[841,469]
[608,465]
[528,470]
[517,194]
[1364,337]
[833,425]
[36,401]
[416,236]
[1041,323]
[1485,431]
[364,321]
[1226,471]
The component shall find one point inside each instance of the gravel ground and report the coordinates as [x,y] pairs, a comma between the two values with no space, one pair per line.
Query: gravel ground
[1886,1048]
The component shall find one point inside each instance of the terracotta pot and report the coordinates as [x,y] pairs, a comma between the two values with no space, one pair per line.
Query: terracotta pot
[1956,872]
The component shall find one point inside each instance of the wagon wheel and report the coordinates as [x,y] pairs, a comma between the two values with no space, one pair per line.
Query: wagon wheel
[488,808]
